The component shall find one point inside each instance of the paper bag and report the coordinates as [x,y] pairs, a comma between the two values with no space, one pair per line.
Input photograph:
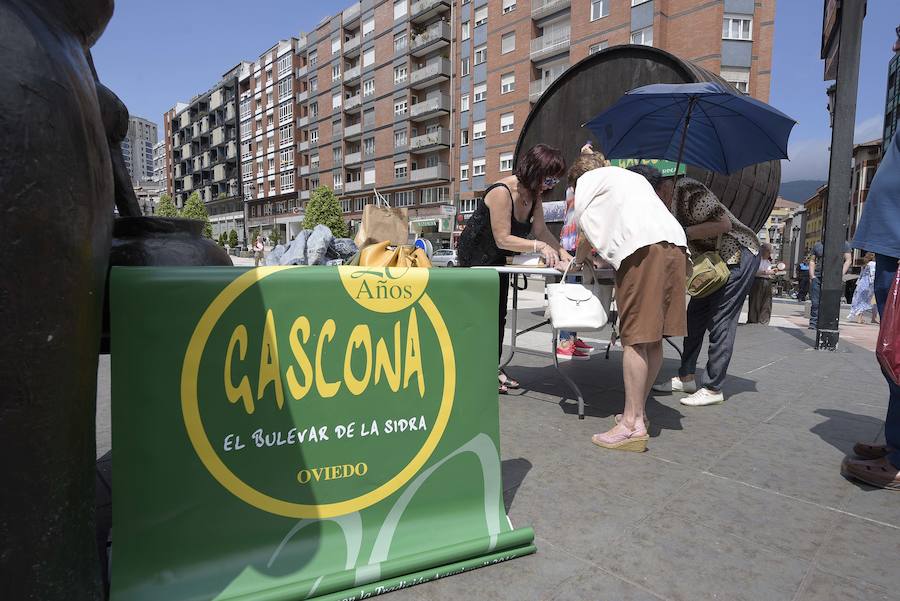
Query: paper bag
[382,223]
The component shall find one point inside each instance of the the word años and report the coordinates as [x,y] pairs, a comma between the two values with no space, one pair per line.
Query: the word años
[296,377]
[297,436]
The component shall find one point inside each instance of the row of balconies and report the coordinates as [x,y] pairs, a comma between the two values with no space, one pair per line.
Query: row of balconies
[432,73]
[550,44]
[435,37]
[430,107]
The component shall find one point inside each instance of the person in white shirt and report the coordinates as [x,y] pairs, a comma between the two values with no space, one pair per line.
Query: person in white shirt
[620,215]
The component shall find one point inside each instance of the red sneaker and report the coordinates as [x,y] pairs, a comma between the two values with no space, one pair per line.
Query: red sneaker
[570,352]
[583,346]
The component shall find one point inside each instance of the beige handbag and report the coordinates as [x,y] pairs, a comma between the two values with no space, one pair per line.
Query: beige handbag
[382,223]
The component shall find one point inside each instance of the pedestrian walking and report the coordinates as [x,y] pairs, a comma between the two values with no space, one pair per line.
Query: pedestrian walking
[710,226]
[815,278]
[879,231]
[759,308]
[258,251]
[620,215]
[864,295]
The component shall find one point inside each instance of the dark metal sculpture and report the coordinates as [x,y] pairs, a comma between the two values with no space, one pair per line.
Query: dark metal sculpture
[56,199]
[598,81]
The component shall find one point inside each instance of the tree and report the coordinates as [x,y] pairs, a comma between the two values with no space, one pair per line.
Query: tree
[166,208]
[324,208]
[275,237]
[195,209]
[232,239]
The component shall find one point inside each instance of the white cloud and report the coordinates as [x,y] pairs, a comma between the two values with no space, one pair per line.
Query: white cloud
[809,158]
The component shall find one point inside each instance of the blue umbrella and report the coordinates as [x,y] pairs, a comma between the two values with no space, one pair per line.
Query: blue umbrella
[728,130]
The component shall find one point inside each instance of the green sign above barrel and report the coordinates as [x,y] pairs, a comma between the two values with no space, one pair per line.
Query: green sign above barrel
[303,432]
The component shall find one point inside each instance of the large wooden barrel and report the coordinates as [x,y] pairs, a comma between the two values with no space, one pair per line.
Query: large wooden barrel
[597,82]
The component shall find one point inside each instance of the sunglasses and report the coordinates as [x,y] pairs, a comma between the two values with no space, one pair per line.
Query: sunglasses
[551,182]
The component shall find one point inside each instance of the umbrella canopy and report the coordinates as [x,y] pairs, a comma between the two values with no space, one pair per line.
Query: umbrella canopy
[704,124]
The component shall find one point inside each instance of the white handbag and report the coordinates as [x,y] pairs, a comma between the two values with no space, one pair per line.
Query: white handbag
[578,307]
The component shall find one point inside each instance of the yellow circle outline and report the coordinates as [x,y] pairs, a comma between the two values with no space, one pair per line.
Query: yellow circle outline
[194,424]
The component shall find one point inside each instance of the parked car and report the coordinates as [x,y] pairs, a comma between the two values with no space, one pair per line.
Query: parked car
[444,258]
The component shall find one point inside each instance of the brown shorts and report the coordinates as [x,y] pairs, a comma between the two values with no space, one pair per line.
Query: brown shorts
[650,294]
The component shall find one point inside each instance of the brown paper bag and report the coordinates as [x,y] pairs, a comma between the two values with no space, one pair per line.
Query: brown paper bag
[382,223]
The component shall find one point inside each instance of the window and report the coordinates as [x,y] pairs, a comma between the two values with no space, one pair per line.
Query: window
[598,47]
[400,170]
[507,122]
[636,2]
[480,16]
[368,87]
[336,72]
[314,136]
[369,176]
[245,108]
[269,100]
[286,134]
[400,139]
[285,112]
[737,27]
[643,36]
[313,85]
[369,146]
[435,195]
[479,129]
[314,109]
[335,45]
[463,172]
[464,67]
[338,180]
[336,101]
[480,54]
[285,89]
[507,83]
[464,137]
[314,161]
[400,74]
[508,42]
[270,165]
[400,106]
[368,28]
[284,64]
[506,160]
[245,128]
[463,103]
[247,169]
[464,31]
[312,58]
[336,155]
[477,167]
[480,92]
[738,77]
[509,6]
[287,181]
[400,41]
[369,57]
[399,8]
[599,9]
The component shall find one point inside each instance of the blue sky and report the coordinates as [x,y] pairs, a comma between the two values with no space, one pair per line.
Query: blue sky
[155,53]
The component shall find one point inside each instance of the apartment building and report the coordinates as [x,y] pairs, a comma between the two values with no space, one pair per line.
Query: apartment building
[137,149]
[202,140]
[423,100]
[159,164]
[892,98]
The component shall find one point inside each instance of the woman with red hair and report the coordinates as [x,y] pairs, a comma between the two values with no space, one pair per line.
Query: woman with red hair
[510,211]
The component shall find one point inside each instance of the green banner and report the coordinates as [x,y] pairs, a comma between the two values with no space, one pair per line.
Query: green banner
[667,168]
[303,432]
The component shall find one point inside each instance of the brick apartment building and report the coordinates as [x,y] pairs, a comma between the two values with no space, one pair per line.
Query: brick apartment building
[423,100]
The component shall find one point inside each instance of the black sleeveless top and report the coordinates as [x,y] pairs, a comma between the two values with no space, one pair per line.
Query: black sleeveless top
[476,245]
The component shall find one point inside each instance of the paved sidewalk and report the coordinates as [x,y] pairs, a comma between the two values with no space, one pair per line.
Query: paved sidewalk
[741,501]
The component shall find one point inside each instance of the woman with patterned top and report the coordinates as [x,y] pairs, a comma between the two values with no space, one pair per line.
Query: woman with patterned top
[709,226]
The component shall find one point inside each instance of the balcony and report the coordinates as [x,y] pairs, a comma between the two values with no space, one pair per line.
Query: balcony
[545,8]
[186,151]
[550,44]
[353,103]
[218,173]
[302,121]
[351,46]
[303,146]
[216,99]
[430,141]
[429,108]
[424,10]
[434,72]
[439,171]
[231,150]
[184,119]
[229,112]
[304,170]
[351,132]
[302,96]
[435,37]
[352,74]
[351,13]
[353,186]
[302,71]
[353,158]
[304,194]
[218,136]
[187,184]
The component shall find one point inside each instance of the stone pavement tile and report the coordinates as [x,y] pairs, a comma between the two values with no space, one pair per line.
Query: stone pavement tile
[683,561]
[825,587]
[699,438]
[795,463]
[830,424]
[593,583]
[534,577]
[786,525]
[863,550]
[875,504]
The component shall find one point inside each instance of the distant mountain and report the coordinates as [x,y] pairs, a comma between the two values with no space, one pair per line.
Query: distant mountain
[799,190]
